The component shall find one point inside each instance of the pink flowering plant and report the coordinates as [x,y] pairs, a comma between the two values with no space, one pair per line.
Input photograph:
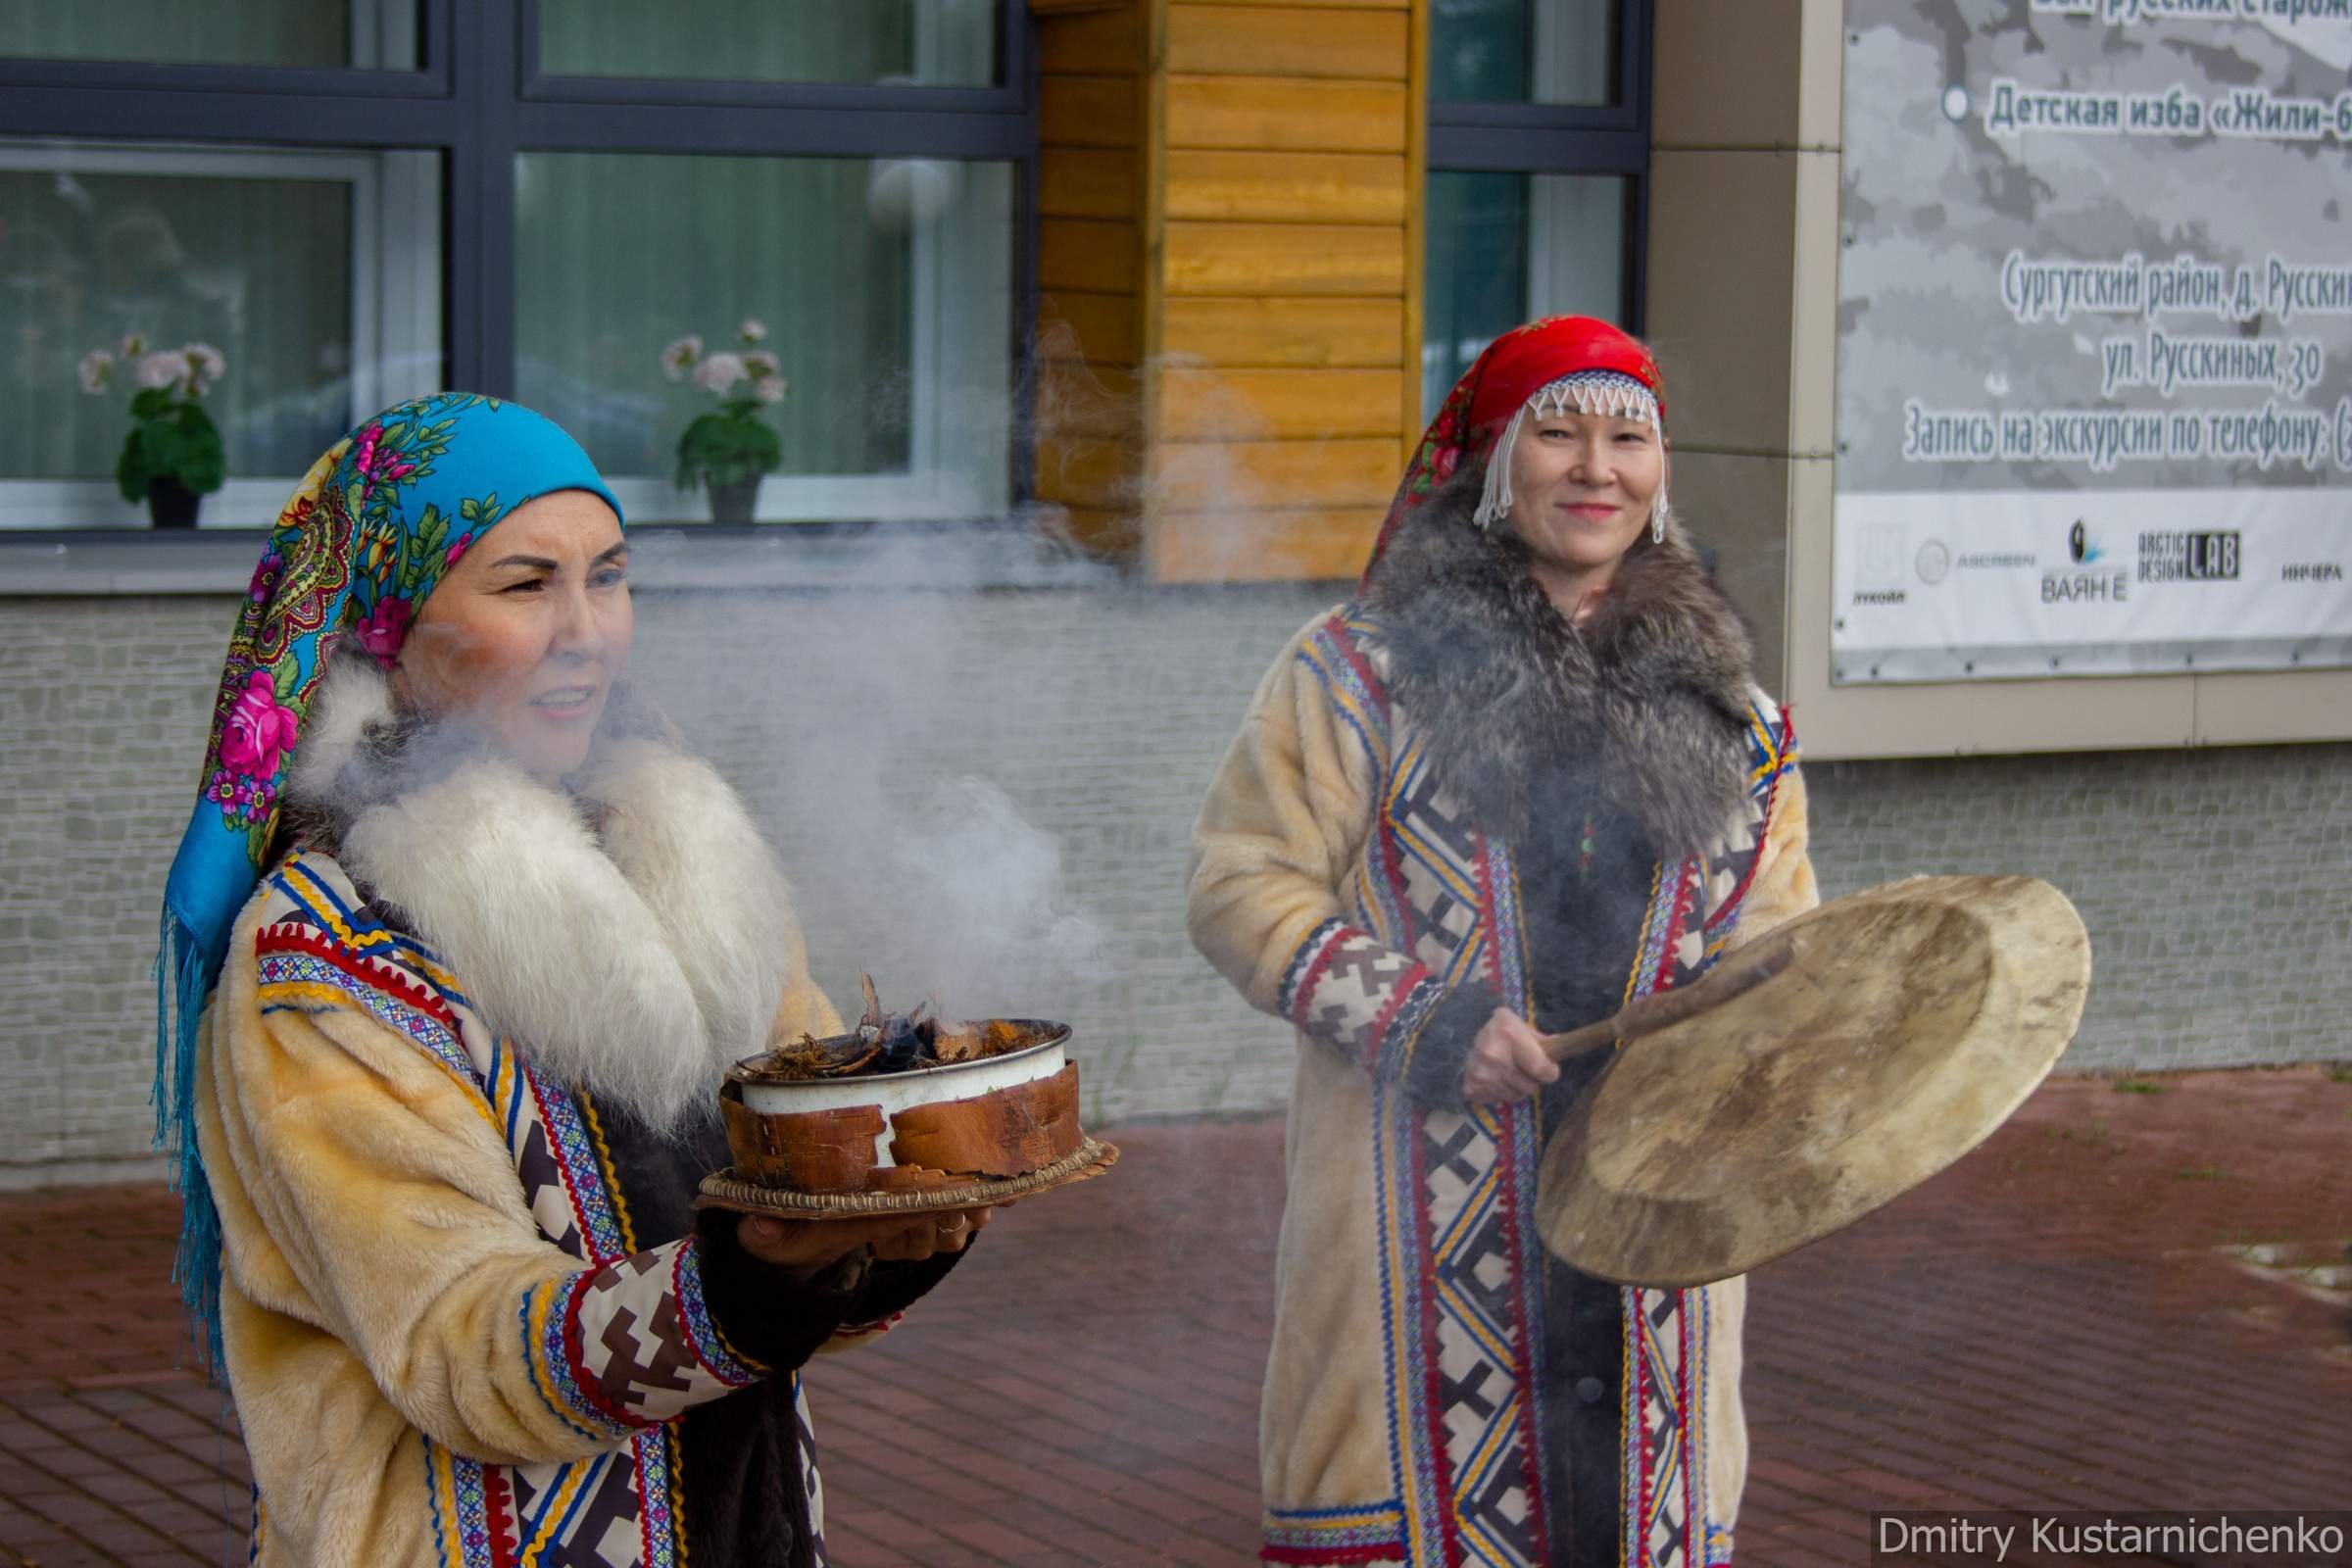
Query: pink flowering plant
[172,436]
[730,444]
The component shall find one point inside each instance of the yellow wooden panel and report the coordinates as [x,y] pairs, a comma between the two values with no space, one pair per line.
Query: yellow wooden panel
[1286,114]
[1072,325]
[1110,40]
[1321,5]
[1250,476]
[1199,404]
[1291,545]
[1088,111]
[1286,41]
[1089,182]
[1301,332]
[1282,258]
[1083,471]
[1286,188]
[1103,530]
[1075,398]
[1088,254]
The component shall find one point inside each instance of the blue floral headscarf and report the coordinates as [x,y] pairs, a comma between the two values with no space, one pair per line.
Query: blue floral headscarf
[361,546]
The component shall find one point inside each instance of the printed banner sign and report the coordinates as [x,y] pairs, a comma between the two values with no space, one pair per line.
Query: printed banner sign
[2095,359]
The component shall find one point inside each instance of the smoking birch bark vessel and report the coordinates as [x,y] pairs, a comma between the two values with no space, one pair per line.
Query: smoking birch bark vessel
[988,1111]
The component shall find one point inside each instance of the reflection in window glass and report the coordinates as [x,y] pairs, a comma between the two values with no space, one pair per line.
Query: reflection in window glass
[316,275]
[364,33]
[884,286]
[932,43]
[1506,248]
[1524,51]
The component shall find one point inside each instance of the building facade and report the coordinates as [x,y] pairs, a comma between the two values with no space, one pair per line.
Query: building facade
[1108,326]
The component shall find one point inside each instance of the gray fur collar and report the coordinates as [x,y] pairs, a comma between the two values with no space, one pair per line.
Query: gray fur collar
[630,932]
[1644,708]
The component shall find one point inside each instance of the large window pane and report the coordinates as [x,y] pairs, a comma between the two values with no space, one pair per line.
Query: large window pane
[1524,51]
[933,44]
[324,33]
[884,286]
[1503,249]
[316,275]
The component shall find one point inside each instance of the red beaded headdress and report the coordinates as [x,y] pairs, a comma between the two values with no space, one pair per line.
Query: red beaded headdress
[1563,363]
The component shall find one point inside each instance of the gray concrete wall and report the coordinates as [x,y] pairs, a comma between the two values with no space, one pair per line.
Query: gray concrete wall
[2213,881]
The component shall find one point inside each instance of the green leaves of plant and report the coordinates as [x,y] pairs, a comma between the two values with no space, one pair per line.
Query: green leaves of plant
[171,437]
[728,446]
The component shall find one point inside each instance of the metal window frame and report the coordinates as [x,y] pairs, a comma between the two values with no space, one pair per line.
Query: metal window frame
[1568,139]
[477,98]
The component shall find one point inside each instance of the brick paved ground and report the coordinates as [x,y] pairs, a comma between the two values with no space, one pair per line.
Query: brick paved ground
[2058,1321]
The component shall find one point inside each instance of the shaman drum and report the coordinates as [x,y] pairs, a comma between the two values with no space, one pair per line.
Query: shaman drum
[1823,1070]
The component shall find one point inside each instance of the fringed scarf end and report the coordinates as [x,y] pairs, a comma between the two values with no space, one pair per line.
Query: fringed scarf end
[182,977]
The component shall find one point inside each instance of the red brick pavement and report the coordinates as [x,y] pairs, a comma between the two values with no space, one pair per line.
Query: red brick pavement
[2057,1321]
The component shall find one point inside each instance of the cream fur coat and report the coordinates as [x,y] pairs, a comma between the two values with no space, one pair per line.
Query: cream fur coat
[446,1342]
[1340,881]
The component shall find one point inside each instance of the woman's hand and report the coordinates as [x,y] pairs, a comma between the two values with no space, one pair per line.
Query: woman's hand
[809,1245]
[1507,1062]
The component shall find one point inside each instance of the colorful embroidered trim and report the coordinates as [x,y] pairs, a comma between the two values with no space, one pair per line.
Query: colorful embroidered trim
[702,1336]
[1367,1534]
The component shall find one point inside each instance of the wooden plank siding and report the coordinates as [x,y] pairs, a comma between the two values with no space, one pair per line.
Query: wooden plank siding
[1276,292]
[1227,247]
[1088,419]
[1229,405]
[1224,187]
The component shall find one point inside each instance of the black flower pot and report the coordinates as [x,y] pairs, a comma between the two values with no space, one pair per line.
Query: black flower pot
[732,504]
[171,504]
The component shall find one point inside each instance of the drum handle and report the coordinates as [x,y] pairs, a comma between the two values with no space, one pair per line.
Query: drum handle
[1664,1008]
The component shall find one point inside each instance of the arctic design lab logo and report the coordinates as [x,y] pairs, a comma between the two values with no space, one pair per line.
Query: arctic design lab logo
[2172,555]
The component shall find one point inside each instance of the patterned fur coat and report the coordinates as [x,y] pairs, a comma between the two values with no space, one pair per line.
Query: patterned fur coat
[1393,848]
[467,1317]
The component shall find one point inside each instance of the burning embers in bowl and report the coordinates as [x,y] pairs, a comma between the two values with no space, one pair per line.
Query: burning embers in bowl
[905,1110]
[896,1042]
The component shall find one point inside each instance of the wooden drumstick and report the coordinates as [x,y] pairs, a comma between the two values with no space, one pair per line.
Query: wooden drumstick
[1667,1007]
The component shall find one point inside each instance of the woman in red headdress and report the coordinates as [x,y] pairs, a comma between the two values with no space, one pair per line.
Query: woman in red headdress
[1525,776]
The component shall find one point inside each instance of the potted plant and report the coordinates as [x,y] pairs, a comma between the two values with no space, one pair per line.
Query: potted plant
[728,450]
[173,456]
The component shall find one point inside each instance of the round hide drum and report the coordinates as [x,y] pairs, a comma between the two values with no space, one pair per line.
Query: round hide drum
[1830,1066]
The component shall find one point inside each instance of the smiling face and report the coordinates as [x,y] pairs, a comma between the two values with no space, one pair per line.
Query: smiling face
[1581,489]
[526,634]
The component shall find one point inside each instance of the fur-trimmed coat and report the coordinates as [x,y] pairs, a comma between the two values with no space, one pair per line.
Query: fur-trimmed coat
[1445,798]
[467,1316]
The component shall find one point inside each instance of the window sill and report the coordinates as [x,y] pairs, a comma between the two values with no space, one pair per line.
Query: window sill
[700,558]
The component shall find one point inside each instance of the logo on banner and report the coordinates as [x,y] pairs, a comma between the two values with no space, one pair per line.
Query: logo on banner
[2180,556]
[2107,585]
[1934,563]
[2312,571]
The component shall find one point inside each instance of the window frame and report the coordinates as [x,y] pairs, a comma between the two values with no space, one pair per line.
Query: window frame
[477,99]
[1471,137]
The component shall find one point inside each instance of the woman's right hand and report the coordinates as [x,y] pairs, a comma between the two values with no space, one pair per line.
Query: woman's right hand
[806,1246]
[1507,1062]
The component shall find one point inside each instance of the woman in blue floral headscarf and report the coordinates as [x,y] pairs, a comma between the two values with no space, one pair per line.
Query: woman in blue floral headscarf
[455,947]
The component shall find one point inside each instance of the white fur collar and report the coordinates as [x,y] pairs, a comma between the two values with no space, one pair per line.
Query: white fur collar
[637,956]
